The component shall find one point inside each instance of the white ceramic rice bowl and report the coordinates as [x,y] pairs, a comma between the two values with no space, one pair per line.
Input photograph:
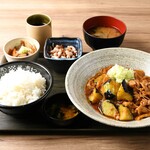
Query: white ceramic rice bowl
[89,64]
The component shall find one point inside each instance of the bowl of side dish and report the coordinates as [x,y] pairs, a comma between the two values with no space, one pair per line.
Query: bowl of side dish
[61,52]
[104,31]
[21,49]
[59,110]
[114,89]
[23,87]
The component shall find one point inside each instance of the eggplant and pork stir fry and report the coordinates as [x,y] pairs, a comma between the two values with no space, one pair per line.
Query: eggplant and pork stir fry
[120,93]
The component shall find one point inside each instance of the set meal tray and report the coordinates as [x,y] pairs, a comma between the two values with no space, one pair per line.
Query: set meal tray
[36,124]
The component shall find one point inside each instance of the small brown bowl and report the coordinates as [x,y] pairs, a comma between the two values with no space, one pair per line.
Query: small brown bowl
[103,21]
[59,110]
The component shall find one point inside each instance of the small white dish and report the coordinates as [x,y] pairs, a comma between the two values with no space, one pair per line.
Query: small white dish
[15,42]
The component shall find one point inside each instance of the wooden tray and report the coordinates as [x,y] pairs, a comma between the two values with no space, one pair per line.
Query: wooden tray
[38,125]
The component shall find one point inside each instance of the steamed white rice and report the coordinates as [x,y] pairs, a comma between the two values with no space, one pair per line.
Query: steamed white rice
[21,87]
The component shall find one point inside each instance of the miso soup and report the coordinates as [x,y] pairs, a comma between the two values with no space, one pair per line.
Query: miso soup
[104,32]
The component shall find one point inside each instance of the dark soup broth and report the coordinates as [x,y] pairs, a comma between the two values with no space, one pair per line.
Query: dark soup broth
[104,32]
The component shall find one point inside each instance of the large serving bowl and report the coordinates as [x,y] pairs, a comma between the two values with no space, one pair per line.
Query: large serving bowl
[96,42]
[11,44]
[29,108]
[89,64]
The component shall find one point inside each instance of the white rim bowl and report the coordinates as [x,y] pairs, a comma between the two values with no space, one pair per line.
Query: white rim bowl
[89,64]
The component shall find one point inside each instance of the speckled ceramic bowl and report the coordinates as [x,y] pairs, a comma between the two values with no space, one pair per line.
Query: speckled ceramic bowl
[77,77]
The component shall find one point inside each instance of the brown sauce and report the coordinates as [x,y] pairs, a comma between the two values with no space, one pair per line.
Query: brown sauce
[104,32]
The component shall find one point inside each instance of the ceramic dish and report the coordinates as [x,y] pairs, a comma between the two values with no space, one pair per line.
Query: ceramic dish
[59,110]
[34,68]
[61,65]
[25,44]
[90,64]
[101,40]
